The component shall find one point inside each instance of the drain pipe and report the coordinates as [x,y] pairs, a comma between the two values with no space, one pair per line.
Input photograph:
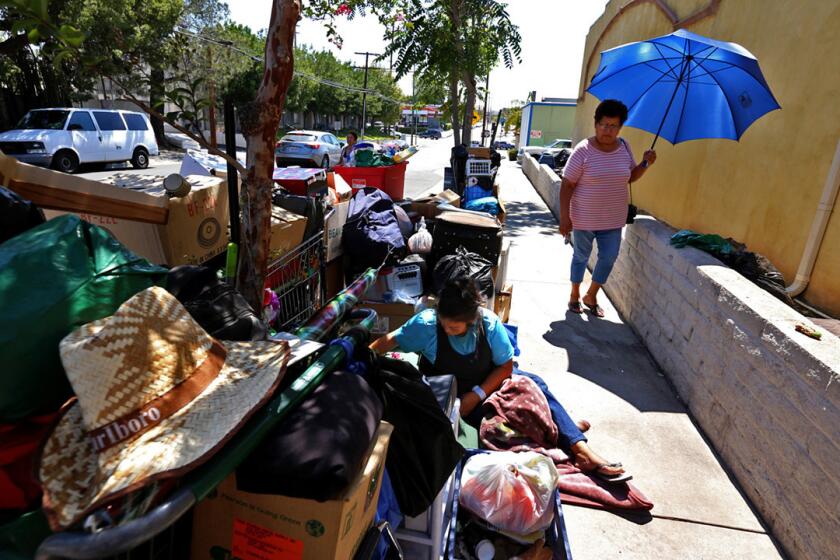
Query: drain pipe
[818,227]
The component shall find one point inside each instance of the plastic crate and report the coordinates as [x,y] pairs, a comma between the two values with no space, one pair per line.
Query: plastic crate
[478,167]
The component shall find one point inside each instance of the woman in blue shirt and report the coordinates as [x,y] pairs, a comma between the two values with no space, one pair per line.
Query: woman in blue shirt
[464,339]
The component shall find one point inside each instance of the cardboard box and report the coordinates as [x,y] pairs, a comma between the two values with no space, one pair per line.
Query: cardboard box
[503,302]
[389,316]
[500,274]
[52,190]
[333,228]
[235,524]
[287,229]
[450,197]
[193,229]
[339,186]
[480,152]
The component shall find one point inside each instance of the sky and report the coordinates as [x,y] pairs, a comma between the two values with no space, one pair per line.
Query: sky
[553,36]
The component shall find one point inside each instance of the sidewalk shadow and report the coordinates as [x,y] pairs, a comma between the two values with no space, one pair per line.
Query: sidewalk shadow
[610,355]
[524,218]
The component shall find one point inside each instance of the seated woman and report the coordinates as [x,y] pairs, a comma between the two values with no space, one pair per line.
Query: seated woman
[466,340]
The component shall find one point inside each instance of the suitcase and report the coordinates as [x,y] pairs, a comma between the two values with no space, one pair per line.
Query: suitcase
[476,233]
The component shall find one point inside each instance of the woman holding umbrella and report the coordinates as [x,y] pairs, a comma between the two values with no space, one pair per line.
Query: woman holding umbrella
[593,199]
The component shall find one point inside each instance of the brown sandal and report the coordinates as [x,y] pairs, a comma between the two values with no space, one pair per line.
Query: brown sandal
[574,307]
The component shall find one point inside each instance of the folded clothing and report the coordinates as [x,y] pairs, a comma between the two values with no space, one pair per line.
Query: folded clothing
[320,448]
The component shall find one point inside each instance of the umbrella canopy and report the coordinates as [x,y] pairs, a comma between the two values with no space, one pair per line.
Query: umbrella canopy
[684,86]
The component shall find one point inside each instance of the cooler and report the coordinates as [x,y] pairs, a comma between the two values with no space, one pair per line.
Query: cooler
[302,181]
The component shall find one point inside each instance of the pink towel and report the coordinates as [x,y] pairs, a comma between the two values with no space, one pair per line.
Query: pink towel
[517,418]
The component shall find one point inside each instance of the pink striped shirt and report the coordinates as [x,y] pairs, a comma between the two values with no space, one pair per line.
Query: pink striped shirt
[599,200]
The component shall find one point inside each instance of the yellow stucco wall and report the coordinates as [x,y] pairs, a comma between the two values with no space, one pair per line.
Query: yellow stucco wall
[763,190]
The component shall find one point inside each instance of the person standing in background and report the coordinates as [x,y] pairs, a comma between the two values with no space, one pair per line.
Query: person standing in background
[593,200]
[352,138]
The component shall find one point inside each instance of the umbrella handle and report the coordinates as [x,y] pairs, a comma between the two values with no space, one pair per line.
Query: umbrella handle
[644,161]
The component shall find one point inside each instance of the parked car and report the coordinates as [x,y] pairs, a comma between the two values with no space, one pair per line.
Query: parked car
[555,159]
[64,138]
[434,133]
[308,148]
[502,145]
[536,151]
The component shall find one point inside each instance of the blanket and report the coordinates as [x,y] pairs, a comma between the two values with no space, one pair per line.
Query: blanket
[517,418]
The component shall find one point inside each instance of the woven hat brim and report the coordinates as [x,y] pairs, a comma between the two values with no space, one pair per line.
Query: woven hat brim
[76,479]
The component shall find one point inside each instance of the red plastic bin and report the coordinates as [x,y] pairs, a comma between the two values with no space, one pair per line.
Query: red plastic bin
[390,179]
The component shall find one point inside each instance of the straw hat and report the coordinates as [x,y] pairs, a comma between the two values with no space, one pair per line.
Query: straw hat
[156,397]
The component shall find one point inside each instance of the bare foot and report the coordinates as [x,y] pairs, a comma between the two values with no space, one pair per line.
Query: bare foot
[583,425]
[587,461]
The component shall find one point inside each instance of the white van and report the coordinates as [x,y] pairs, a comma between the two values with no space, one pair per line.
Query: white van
[64,138]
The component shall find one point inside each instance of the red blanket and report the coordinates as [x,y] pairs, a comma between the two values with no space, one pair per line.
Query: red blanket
[19,445]
[519,419]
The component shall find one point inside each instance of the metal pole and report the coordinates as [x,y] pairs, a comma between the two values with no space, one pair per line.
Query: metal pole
[486,99]
[686,62]
[232,174]
[364,97]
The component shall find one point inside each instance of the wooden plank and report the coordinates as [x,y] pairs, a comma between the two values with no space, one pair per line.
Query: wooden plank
[55,198]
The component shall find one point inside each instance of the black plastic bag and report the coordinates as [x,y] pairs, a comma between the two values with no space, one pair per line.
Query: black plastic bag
[760,271]
[17,214]
[215,305]
[463,263]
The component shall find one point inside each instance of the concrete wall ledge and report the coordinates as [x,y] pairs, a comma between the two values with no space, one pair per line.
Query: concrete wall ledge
[766,396]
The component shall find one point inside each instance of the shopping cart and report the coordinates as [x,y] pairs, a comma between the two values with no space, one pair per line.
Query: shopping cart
[297,279]
[128,536]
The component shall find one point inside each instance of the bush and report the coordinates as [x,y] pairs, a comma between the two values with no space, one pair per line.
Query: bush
[512,154]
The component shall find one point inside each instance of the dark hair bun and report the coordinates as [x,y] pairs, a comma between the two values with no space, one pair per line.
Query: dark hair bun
[459,299]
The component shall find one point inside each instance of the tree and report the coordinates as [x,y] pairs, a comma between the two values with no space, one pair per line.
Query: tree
[117,52]
[458,40]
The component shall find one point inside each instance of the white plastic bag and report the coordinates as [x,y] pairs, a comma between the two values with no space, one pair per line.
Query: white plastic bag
[421,242]
[513,492]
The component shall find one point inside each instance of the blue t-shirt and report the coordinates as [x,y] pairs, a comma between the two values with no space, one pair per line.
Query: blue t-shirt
[419,334]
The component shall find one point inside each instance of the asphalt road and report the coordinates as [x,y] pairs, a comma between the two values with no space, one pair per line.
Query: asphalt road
[425,168]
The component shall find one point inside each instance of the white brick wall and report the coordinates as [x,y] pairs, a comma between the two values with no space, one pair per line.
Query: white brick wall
[767,397]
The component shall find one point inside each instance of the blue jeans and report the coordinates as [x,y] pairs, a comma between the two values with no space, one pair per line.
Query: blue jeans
[568,433]
[609,242]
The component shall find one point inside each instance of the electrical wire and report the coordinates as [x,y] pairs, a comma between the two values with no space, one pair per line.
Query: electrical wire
[230,45]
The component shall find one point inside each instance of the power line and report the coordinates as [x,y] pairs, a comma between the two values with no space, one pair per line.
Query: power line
[230,45]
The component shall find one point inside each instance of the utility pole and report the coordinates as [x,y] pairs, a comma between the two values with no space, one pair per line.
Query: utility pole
[211,87]
[367,56]
[413,111]
[486,100]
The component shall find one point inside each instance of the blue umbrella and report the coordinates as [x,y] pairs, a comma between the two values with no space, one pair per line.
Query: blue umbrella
[685,86]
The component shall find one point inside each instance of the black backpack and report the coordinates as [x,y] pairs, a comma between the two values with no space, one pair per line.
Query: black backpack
[372,230]
[423,451]
[215,305]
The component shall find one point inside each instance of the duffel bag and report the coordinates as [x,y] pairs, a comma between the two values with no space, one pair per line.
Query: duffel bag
[372,230]
[476,233]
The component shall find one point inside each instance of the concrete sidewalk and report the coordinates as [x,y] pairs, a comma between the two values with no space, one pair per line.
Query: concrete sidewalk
[600,371]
